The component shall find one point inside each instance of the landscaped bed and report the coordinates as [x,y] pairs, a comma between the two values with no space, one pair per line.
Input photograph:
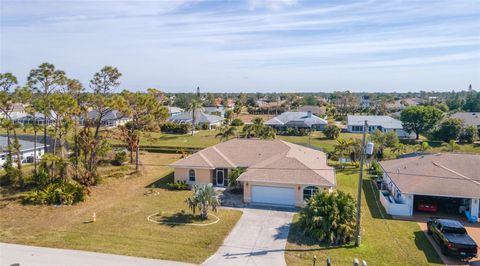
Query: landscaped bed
[121,227]
[384,241]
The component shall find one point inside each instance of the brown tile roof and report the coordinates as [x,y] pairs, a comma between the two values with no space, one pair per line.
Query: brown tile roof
[266,160]
[443,174]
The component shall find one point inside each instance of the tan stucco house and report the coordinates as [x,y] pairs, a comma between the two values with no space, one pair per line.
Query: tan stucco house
[277,172]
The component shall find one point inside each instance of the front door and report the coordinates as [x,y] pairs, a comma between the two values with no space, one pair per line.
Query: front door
[220,178]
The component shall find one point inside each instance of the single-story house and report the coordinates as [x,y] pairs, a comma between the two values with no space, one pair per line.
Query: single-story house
[172,110]
[277,172]
[468,118]
[450,181]
[27,151]
[383,123]
[112,118]
[200,118]
[297,120]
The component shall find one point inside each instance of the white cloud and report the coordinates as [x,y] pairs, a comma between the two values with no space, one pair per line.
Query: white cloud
[274,5]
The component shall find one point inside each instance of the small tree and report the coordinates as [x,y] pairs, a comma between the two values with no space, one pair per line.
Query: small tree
[423,147]
[331,131]
[204,198]
[451,146]
[267,133]
[329,217]
[420,119]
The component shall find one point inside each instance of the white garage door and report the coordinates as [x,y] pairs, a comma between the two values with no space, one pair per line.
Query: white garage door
[273,195]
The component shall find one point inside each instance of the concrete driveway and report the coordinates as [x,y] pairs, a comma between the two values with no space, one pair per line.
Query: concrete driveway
[259,238]
[20,255]
[473,231]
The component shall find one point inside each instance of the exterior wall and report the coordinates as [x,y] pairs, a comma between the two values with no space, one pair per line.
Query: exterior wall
[475,207]
[202,176]
[247,191]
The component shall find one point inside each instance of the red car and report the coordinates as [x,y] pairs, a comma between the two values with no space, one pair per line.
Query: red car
[427,207]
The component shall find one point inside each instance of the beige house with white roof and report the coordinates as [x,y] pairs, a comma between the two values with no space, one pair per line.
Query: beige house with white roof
[277,172]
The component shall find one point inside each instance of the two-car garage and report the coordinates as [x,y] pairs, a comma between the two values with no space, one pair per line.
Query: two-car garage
[273,195]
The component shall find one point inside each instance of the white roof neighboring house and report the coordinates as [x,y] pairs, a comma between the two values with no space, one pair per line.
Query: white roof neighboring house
[200,118]
[296,119]
[374,120]
[174,110]
[24,144]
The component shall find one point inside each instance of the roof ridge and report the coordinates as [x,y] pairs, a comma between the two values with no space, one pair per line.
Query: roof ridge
[455,172]
[205,158]
[223,156]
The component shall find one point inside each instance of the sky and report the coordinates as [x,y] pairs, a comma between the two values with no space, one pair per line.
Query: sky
[249,45]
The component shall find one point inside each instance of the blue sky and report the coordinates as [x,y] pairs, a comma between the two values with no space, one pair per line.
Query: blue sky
[250,45]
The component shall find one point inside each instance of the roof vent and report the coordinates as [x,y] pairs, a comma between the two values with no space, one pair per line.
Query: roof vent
[309,113]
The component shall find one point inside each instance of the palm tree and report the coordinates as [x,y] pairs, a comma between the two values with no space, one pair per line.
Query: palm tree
[194,106]
[204,197]
[329,217]
[399,149]
[423,147]
[226,132]
[343,147]
[247,131]
[257,126]
[267,133]
[451,146]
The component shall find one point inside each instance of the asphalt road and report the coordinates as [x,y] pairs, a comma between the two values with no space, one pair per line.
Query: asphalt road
[19,255]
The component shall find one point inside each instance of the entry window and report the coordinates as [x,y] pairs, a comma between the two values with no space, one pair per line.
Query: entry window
[308,192]
[191,175]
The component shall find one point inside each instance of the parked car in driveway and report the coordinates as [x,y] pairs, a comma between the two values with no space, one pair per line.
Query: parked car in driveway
[452,237]
[427,207]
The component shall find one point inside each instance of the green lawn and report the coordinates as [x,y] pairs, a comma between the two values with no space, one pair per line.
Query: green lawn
[384,241]
[122,206]
[317,139]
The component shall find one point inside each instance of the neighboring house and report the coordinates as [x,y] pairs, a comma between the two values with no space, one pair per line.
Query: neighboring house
[448,180]
[172,110]
[469,119]
[316,110]
[228,103]
[200,118]
[113,118]
[214,110]
[383,123]
[277,172]
[304,120]
[26,150]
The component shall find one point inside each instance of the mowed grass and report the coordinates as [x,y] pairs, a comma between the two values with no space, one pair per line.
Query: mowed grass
[122,206]
[384,241]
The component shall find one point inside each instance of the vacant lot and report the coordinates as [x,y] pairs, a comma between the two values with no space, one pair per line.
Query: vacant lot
[384,242]
[122,206]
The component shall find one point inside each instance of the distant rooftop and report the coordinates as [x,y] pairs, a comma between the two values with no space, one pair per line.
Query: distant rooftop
[25,145]
[299,119]
[374,120]
[469,119]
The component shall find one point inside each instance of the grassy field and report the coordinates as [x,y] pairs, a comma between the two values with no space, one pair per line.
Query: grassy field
[384,241]
[122,206]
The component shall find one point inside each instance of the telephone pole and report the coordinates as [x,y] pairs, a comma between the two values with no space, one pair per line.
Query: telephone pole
[359,192]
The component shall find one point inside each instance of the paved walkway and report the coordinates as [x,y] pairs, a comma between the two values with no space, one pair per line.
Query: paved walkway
[258,238]
[19,255]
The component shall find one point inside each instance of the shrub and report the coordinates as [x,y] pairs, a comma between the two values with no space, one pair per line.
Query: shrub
[448,130]
[468,134]
[331,131]
[176,128]
[60,192]
[237,122]
[178,185]
[120,158]
[329,217]
[204,126]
